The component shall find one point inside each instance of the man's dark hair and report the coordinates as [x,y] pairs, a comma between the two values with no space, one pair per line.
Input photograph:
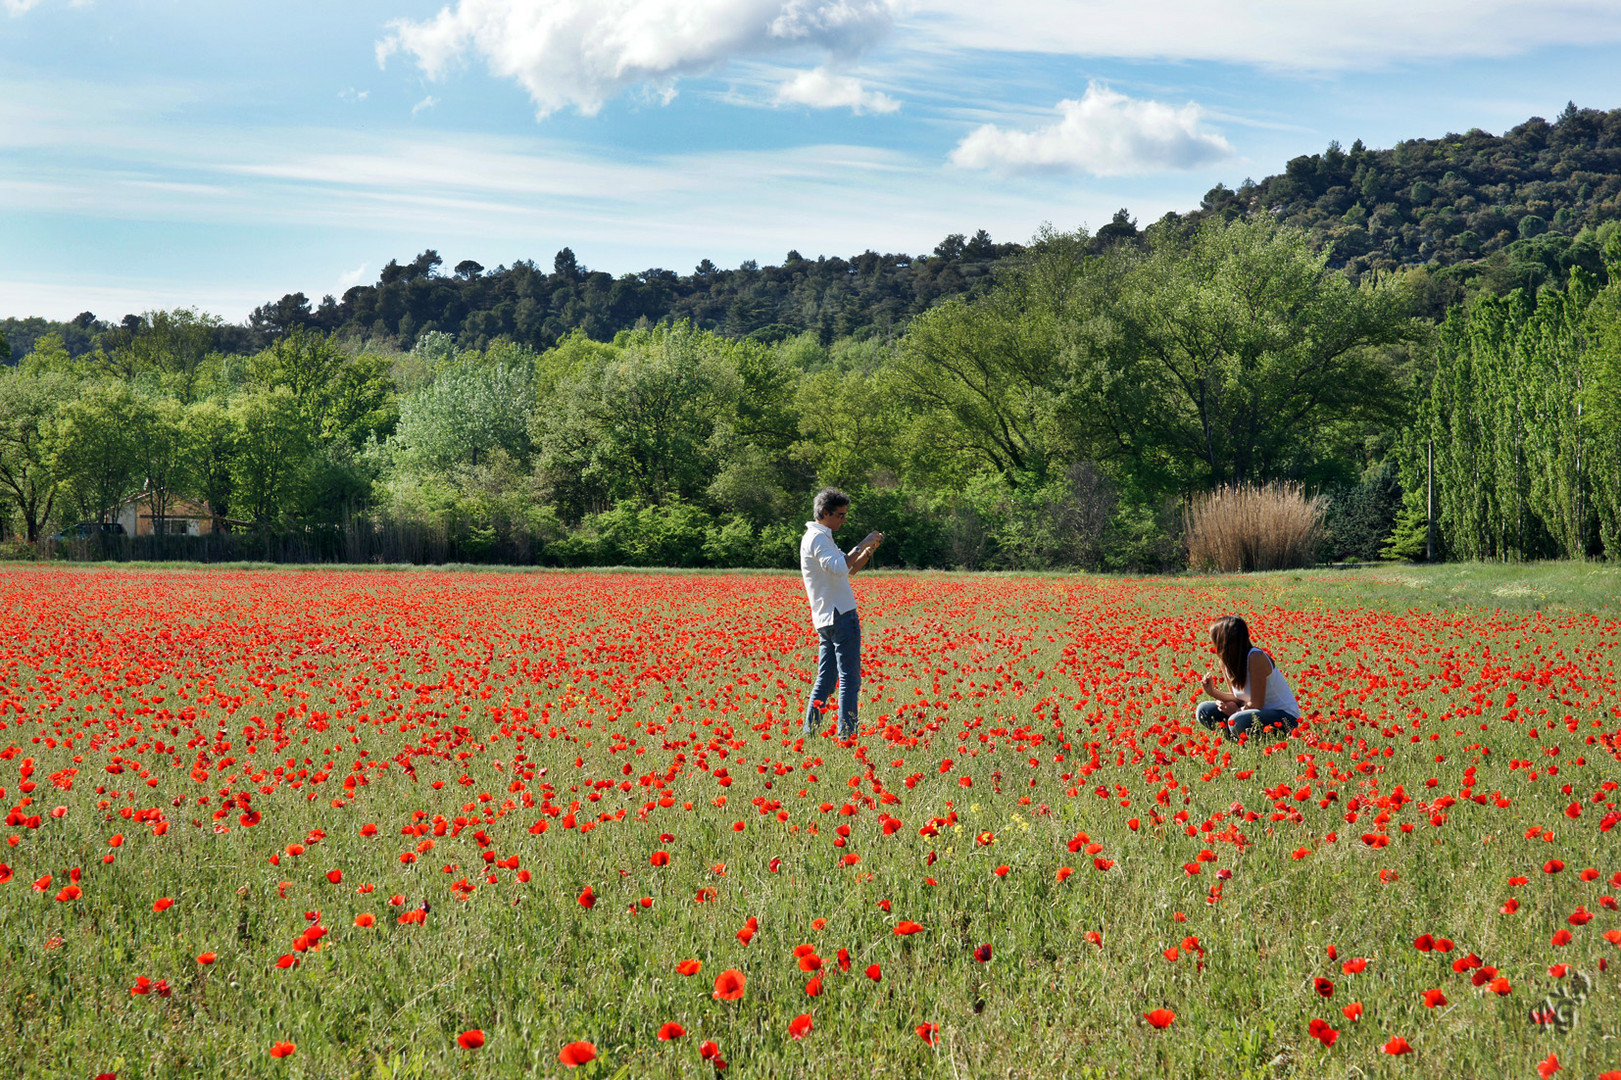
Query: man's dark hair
[827,501]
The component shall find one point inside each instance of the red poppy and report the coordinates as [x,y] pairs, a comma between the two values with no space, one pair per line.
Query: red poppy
[814,987]
[1160,1018]
[982,953]
[1552,866]
[588,900]
[928,1033]
[729,985]
[1103,864]
[659,858]
[1548,1066]
[162,904]
[671,1030]
[1396,1045]
[1424,943]
[1319,1030]
[707,1049]
[365,919]
[335,876]
[282,1049]
[799,1026]
[1434,999]
[689,967]
[907,927]
[1094,937]
[1324,987]
[1354,967]
[470,1040]
[206,958]
[1353,1011]
[874,972]
[577,1053]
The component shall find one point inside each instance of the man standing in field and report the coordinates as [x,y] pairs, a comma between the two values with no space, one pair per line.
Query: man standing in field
[827,571]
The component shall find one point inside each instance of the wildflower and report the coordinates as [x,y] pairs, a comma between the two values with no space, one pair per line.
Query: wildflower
[577,1053]
[729,985]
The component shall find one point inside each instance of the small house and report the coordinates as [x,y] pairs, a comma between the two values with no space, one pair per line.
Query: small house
[138,514]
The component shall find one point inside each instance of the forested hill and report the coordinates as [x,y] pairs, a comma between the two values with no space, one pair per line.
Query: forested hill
[1502,212]
[1483,212]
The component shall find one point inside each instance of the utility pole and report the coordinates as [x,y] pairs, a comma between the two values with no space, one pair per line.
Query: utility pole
[1429,500]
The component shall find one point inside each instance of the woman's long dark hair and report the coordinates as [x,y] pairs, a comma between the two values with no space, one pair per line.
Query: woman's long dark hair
[1231,637]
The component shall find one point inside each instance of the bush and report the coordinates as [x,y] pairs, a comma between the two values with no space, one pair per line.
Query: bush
[1270,527]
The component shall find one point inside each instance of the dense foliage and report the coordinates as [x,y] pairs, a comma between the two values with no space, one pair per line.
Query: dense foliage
[1502,212]
[1055,419]
[1521,411]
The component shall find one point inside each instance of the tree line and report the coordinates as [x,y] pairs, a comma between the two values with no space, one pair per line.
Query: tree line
[1056,417]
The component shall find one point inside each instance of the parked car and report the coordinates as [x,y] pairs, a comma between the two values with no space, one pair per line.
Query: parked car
[84,530]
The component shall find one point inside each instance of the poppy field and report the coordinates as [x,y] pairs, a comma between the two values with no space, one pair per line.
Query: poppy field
[434,824]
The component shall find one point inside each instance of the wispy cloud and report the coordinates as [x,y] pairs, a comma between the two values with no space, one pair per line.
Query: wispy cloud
[426,103]
[350,278]
[1105,133]
[1266,33]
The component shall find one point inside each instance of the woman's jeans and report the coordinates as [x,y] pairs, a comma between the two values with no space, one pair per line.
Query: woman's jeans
[1209,714]
[838,657]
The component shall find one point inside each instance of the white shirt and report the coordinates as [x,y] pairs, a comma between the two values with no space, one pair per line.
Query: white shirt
[1278,695]
[826,574]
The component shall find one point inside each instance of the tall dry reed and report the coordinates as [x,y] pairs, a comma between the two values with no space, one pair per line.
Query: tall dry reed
[1248,527]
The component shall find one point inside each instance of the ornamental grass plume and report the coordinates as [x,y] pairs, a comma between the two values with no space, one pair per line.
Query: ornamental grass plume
[1247,527]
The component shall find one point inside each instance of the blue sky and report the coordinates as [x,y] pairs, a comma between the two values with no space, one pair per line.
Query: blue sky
[164,153]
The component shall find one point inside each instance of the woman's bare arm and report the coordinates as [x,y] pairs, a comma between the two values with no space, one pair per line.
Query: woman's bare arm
[1260,668]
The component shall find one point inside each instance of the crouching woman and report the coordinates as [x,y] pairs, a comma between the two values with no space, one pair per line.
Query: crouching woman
[1260,699]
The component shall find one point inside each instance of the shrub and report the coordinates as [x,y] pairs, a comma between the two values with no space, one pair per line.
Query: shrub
[1247,527]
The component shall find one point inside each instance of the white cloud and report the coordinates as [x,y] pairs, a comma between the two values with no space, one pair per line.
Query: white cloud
[350,94]
[822,89]
[19,7]
[426,103]
[581,52]
[1105,133]
[1267,33]
[350,278]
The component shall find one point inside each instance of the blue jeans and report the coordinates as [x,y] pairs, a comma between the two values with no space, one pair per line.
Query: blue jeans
[1209,714]
[838,657]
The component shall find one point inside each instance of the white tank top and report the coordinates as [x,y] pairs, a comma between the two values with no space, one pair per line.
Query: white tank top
[1278,695]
